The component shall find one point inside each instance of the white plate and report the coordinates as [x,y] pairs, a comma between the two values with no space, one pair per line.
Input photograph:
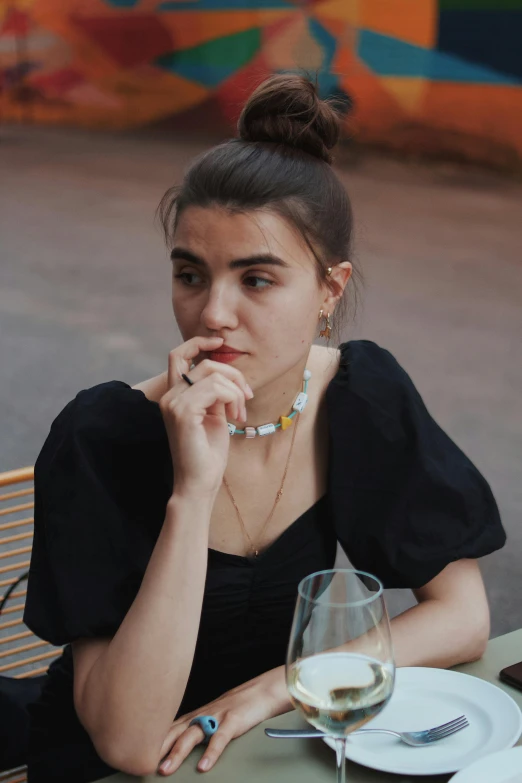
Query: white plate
[502,767]
[429,697]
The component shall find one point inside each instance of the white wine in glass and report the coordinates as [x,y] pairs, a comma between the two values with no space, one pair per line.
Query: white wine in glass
[340,671]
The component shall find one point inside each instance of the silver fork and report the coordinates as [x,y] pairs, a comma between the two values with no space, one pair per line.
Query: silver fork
[414,738]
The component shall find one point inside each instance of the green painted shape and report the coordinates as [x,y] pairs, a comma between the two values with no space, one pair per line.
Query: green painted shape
[230,50]
[480,5]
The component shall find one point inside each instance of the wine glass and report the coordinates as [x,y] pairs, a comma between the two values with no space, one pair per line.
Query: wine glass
[340,670]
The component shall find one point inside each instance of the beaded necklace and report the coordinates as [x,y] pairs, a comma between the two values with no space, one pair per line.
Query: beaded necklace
[284,421]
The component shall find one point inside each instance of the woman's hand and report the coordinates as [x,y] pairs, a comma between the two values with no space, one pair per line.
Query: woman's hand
[237,711]
[196,416]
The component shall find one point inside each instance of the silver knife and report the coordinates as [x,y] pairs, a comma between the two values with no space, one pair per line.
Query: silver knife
[287,733]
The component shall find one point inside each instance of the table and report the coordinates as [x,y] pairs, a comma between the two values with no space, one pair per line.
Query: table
[254,758]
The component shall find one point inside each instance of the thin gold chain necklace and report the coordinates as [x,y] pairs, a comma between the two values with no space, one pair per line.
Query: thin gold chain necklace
[255,550]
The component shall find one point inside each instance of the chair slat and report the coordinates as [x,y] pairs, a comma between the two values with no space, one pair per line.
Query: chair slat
[15,637]
[17,523]
[33,673]
[20,507]
[14,566]
[7,582]
[13,609]
[23,648]
[16,476]
[12,552]
[7,667]
[17,537]
[14,776]
[17,494]
[11,623]
[18,594]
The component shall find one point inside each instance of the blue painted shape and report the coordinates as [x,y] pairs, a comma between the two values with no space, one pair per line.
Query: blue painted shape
[448,68]
[122,3]
[209,75]
[225,5]
[327,82]
[388,56]
[487,37]
[326,41]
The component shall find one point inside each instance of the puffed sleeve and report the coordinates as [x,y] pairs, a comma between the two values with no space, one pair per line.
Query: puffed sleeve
[102,481]
[406,500]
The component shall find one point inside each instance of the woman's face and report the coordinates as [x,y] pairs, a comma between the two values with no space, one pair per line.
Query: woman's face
[250,279]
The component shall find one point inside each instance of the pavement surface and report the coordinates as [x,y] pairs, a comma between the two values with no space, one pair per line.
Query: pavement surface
[85,295]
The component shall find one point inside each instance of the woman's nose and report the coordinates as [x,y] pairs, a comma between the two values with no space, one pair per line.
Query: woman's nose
[219,311]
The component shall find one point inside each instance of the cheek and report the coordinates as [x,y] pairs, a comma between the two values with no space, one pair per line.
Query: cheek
[186,312]
[288,324]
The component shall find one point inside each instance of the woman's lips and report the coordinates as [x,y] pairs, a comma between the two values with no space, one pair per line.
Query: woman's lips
[226,357]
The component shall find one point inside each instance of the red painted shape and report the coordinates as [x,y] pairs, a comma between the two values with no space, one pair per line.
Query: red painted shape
[128,40]
[16,23]
[58,82]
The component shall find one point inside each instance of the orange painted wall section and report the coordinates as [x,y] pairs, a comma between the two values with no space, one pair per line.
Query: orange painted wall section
[437,76]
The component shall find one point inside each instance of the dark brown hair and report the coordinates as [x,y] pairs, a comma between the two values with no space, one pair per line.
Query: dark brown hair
[280,162]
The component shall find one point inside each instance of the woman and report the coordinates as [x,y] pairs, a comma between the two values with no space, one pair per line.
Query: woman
[171,534]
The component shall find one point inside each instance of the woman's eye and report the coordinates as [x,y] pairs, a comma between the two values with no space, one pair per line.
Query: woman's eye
[188,278]
[252,281]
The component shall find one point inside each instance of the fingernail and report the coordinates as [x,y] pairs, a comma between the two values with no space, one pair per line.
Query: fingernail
[204,764]
[250,392]
[166,766]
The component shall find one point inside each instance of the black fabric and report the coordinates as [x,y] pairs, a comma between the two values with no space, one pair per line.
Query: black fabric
[402,500]
[15,697]
[406,500]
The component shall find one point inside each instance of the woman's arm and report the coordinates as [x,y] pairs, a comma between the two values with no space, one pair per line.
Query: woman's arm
[127,690]
[450,624]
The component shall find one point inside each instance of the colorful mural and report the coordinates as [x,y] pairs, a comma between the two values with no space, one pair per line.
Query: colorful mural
[429,75]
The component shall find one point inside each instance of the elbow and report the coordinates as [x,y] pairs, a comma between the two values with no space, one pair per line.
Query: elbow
[136,761]
[477,626]
[478,644]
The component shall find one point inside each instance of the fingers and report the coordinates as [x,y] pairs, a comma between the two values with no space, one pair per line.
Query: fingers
[216,746]
[217,389]
[181,358]
[188,740]
[181,749]
[205,397]
[208,367]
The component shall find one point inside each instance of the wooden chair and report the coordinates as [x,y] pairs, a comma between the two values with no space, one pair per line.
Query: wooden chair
[22,654]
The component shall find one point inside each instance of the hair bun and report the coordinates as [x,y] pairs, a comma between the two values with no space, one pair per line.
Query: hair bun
[286,109]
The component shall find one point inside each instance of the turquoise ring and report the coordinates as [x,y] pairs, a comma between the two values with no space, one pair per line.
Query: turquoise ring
[208,724]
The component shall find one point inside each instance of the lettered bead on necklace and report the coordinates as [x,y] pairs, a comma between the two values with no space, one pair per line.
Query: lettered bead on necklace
[266,429]
[300,403]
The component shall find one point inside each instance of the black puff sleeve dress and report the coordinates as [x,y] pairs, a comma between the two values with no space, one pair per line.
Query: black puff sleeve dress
[402,500]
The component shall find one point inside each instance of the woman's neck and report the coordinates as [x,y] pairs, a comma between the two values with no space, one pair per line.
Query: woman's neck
[273,400]
[276,400]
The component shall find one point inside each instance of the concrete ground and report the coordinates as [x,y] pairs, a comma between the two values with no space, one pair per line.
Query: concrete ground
[84,295]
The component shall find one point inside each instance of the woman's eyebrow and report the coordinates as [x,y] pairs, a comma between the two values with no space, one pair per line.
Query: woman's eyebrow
[180,254]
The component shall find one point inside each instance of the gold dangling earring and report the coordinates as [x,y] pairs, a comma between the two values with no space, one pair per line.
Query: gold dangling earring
[327,330]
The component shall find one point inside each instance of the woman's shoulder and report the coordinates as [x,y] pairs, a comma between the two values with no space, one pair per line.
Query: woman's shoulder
[154,388]
[108,413]
[370,372]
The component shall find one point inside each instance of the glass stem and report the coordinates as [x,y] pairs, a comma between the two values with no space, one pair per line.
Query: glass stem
[340,745]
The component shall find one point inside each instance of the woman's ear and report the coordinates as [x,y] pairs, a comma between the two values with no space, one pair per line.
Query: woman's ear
[340,275]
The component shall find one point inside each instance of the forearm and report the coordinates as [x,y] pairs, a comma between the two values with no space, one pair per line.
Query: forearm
[135,687]
[439,634]
[429,634]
